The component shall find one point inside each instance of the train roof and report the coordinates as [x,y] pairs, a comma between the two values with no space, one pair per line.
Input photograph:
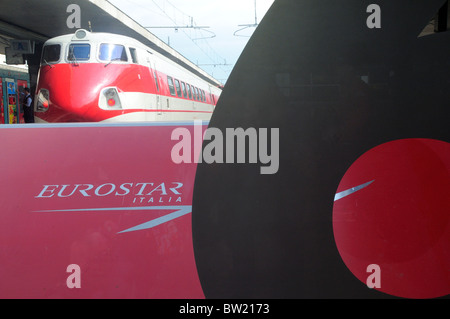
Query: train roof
[84,35]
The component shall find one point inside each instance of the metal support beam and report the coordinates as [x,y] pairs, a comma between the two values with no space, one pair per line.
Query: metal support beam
[14,31]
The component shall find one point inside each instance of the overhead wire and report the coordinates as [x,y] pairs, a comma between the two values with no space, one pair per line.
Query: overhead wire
[199,38]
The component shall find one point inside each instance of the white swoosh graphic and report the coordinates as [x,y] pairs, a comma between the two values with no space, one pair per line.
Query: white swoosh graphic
[350,191]
[179,211]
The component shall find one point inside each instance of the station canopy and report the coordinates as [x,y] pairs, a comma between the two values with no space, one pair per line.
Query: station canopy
[39,20]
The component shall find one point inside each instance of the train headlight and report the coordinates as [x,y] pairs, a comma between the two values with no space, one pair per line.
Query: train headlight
[110,93]
[109,99]
[80,34]
[42,101]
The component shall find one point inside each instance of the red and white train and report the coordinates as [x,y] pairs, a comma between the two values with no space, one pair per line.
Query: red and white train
[98,77]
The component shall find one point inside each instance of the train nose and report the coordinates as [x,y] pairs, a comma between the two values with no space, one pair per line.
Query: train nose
[69,92]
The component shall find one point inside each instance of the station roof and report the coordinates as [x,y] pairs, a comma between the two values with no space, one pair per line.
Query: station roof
[44,19]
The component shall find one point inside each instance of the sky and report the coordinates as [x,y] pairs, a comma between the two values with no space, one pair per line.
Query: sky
[222,28]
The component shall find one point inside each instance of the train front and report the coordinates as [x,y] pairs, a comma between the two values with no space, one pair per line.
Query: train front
[78,79]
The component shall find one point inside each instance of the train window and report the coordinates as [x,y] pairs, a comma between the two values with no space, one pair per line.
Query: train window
[197,96]
[183,88]
[133,54]
[171,87]
[112,52]
[51,53]
[79,52]
[177,84]
[189,91]
[203,96]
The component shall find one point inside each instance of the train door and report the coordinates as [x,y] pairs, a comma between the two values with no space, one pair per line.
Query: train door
[158,96]
[154,74]
[13,111]
[2,109]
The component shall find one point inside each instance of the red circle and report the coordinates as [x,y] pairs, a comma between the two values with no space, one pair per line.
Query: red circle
[398,218]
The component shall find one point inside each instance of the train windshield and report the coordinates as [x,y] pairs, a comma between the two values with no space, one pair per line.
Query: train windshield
[51,53]
[79,52]
[112,52]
